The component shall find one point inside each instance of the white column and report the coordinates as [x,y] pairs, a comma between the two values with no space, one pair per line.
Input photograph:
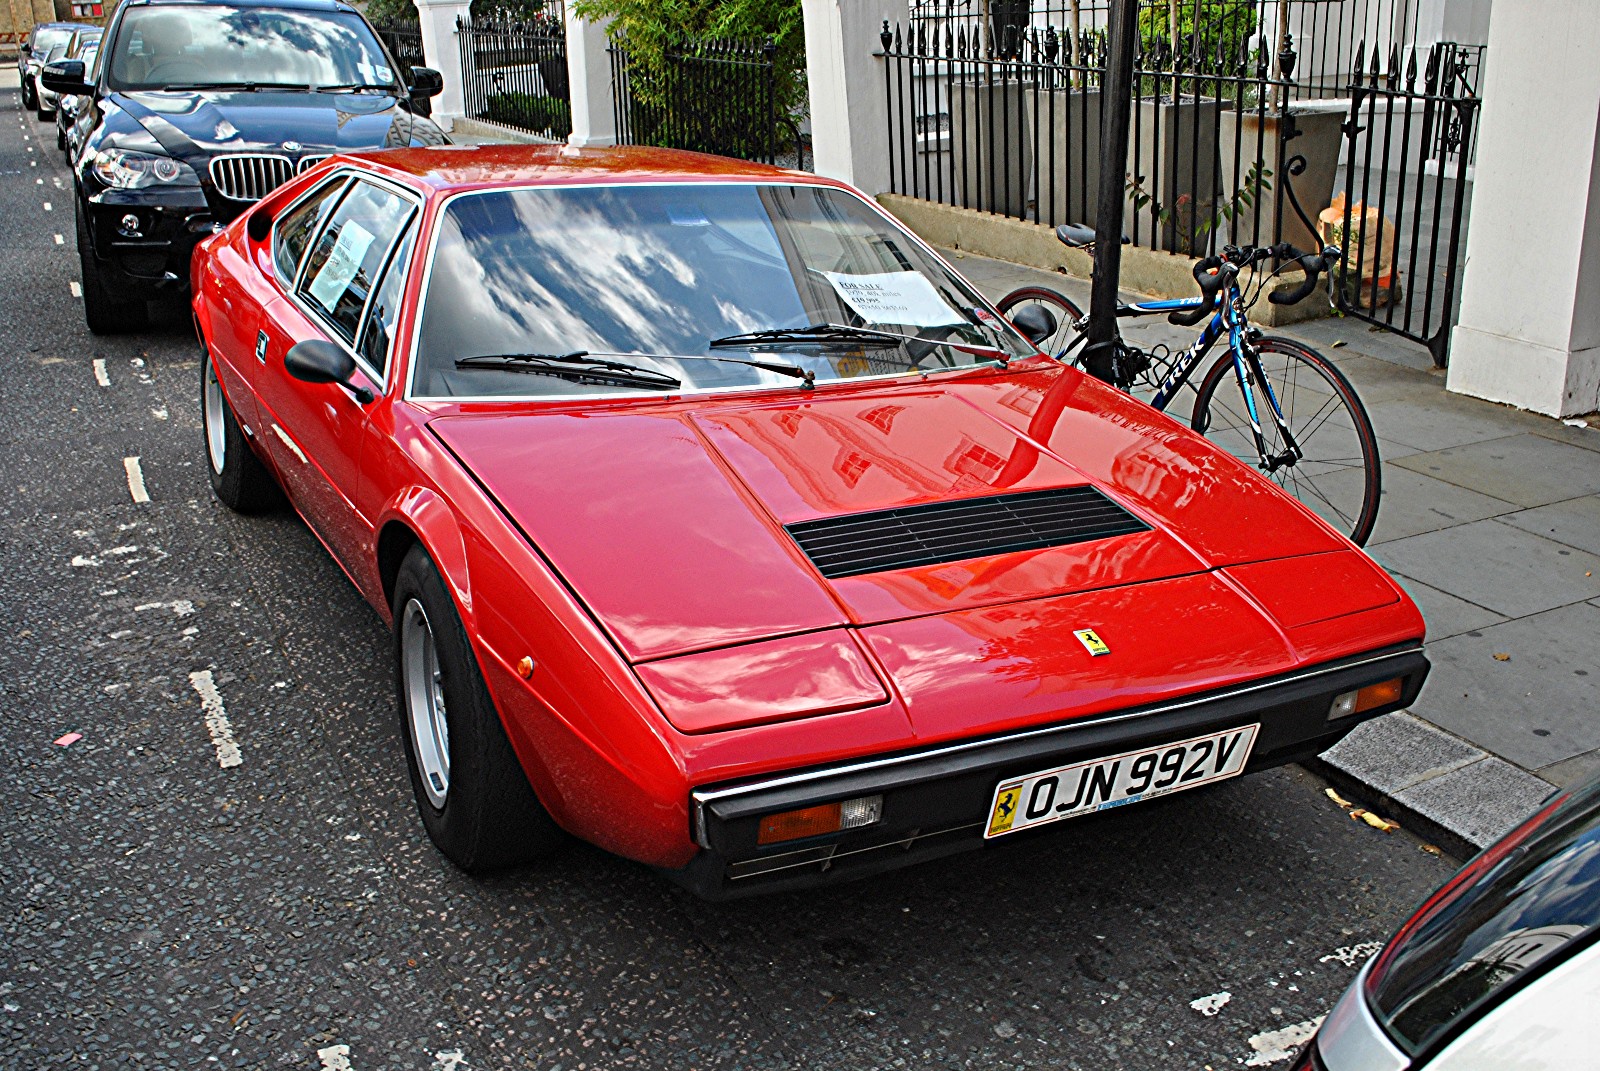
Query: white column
[849,107]
[594,117]
[442,52]
[1529,332]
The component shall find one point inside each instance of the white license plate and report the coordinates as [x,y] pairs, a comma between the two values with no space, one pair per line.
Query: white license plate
[1100,784]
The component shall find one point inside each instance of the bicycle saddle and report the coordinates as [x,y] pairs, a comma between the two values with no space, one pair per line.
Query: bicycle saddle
[1078,236]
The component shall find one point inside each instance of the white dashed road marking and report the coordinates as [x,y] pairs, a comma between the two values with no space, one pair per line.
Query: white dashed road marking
[135,479]
[335,1058]
[1209,1006]
[47,207]
[77,291]
[1350,955]
[1277,1045]
[449,1060]
[221,731]
[60,240]
[100,375]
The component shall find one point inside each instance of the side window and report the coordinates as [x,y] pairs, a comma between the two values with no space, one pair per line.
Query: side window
[349,252]
[292,234]
[378,330]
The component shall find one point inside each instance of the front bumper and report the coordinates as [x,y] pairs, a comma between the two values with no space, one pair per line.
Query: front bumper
[935,801]
[154,261]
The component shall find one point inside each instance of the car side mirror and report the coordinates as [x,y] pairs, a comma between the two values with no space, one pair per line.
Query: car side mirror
[25,48]
[65,77]
[426,82]
[319,361]
[1036,323]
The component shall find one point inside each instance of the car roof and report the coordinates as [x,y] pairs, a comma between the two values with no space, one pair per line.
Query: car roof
[299,5]
[451,167]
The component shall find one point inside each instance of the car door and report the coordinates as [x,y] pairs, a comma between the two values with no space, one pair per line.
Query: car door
[316,431]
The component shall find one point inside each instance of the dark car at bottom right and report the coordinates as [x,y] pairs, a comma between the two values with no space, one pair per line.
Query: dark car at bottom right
[1499,969]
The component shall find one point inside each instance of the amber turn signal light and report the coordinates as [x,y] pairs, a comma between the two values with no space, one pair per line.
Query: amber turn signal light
[1373,695]
[819,820]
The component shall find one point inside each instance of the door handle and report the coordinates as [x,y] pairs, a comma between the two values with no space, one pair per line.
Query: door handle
[261,346]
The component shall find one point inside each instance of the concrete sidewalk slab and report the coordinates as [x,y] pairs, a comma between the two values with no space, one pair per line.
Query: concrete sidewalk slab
[1527,469]
[1499,567]
[1412,504]
[1537,706]
[1575,522]
[1445,614]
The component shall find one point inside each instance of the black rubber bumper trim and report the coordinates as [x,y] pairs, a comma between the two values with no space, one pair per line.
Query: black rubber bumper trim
[931,795]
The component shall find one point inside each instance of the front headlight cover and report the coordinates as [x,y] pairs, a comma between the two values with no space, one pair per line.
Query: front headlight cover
[125,169]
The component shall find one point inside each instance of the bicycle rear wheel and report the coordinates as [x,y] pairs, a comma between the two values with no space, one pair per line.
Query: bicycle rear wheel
[1060,306]
[1338,473]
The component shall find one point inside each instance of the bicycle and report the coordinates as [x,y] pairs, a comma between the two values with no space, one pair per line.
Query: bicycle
[1327,457]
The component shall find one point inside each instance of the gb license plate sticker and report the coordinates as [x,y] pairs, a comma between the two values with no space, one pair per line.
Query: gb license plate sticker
[1118,780]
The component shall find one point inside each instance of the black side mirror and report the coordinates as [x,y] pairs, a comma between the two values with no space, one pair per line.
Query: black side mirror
[318,361]
[1036,323]
[25,48]
[65,77]
[426,82]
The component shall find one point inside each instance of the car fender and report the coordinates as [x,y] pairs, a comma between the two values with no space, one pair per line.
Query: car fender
[428,518]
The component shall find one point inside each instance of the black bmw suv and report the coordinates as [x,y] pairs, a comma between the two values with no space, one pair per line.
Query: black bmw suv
[198,108]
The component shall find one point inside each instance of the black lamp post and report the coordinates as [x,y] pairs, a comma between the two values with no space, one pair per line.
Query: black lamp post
[1100,355]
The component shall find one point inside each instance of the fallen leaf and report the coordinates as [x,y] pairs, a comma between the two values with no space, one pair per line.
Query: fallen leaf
[1432,849]
[1339,343]
[1501,656]
[1378,823]
[1340,800]
[68,740]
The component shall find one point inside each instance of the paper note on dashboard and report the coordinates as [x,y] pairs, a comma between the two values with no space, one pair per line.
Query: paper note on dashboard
[341,265]
[895,297]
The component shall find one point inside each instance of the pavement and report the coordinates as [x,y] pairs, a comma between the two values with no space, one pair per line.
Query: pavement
[1490,518]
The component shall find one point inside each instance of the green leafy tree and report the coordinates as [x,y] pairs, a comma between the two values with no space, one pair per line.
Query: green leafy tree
[1169,27]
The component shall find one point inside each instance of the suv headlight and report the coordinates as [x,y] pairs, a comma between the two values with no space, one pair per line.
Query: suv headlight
[125,169]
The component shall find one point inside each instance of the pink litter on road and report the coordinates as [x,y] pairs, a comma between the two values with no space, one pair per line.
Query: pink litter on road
[70,738]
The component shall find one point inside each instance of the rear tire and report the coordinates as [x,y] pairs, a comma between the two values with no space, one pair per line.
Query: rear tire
[471,790]
[104,315]
[1061,307]
[29,101]
[1339,475]
[46,117]
[240,479]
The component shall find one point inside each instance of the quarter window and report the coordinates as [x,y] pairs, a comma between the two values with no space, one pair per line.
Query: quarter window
[293,233]
[348,254]
[378,331]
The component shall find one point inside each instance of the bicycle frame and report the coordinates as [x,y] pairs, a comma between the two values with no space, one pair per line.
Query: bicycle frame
[1229,318]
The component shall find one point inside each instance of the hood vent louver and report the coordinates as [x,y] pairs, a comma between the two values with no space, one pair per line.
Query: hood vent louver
[965,528]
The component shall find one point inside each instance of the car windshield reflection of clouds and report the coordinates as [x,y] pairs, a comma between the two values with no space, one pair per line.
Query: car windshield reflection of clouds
[662,270]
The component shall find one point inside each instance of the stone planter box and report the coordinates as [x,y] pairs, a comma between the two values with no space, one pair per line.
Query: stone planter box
[1321,125]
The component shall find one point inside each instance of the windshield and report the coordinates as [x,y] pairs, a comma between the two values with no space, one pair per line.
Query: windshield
[170,47]
[49,39]
[652,273]
[1509,913]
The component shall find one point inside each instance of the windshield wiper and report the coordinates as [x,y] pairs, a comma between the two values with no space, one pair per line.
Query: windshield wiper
[824,333]
[353,87]
[863,336]
[244,87]
[577,366]
[807,377]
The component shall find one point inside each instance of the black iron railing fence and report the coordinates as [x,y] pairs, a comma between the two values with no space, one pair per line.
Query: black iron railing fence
[1020,136]
[403,39]
[1327,31]
[514,72]
[713,95]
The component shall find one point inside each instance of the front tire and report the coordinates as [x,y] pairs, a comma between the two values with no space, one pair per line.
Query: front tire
[104,315]
[471,790]
[1338,475]
[240,479]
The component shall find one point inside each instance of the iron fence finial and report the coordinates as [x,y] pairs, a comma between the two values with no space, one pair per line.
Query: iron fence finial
[886,37]
[1286,56]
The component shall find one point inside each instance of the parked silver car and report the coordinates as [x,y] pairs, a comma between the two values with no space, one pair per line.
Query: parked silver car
[48,99]
[1499,969]
[31,55]
[70,107]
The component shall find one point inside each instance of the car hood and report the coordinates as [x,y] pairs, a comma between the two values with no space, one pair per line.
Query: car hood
[669,522]
[209,123]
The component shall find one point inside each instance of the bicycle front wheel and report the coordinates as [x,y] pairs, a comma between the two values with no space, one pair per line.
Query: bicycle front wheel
[1337,472]
[1060,306]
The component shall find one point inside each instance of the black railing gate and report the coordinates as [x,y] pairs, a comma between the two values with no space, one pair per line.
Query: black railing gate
[1408,168]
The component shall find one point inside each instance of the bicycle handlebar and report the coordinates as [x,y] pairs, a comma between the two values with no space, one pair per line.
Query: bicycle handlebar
[1208,273]
[1313,264]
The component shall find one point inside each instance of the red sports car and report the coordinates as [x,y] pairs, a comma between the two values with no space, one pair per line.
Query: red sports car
[723,525]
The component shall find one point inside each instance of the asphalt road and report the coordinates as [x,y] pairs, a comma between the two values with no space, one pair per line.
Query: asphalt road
[158,910]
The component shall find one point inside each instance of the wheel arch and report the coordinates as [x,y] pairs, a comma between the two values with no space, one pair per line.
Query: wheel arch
[421,517]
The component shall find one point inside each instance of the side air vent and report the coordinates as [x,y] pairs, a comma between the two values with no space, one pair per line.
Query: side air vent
[966,528]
